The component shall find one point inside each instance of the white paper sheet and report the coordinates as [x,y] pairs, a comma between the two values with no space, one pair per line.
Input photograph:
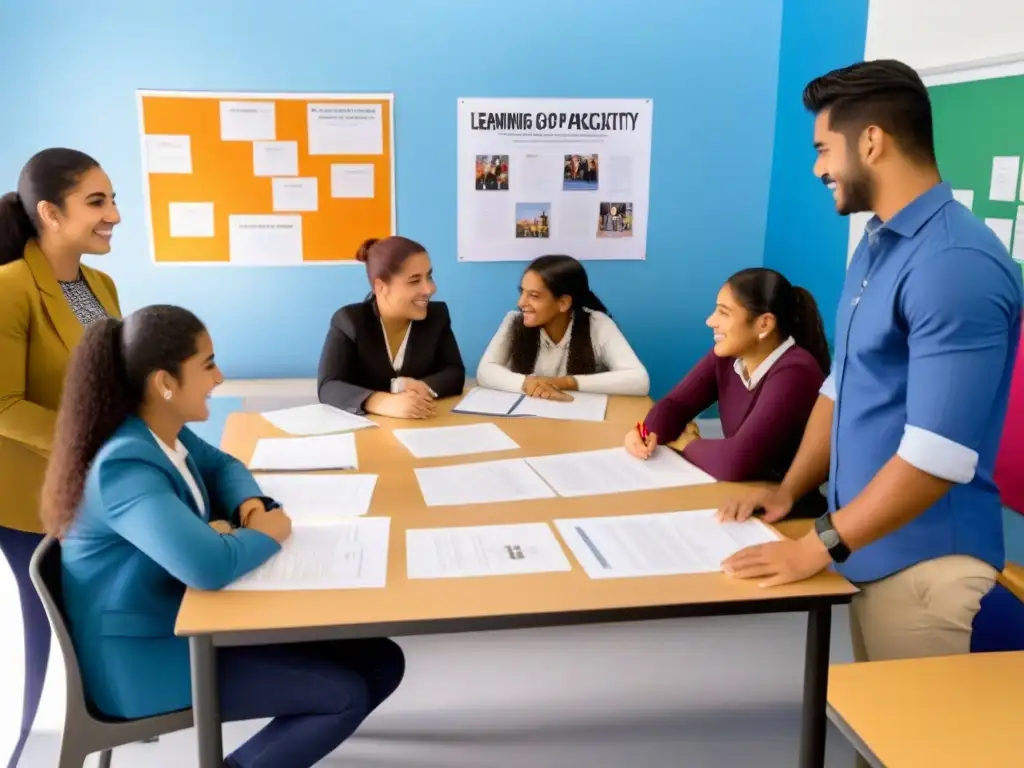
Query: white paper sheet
[316,419]
[1005,171]
[275,158]
[433,442]
[352,180]
[294,194]
[168,154]
[1018,235]
[1003,229]
[964,196]
[585,406]
[305,453]
[319,499]
[488,402]
[486,550]
[613,470]
[481,483]
[191,219]
[247,121]
[351,554]
[268,240]
[345,129]
[661,544]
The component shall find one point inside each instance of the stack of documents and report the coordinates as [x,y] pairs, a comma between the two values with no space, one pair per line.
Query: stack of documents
[614,470]
[485,550]
[350,553]
[434,442]
[663,544]
[319,499]
[316,419]
[585,406]
[305,453]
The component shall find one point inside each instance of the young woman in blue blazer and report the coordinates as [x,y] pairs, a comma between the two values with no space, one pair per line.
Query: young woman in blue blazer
[144,509]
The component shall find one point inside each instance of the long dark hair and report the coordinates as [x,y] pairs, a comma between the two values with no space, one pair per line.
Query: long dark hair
[763,291]
[48,176]
[105,383]
[563,276]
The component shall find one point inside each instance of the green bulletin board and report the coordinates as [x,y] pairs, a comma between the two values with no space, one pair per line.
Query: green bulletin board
[975,122]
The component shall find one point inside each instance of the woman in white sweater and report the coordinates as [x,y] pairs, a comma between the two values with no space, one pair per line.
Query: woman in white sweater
[561,339]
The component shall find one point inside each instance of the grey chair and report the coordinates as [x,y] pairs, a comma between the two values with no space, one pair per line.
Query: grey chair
[85,730]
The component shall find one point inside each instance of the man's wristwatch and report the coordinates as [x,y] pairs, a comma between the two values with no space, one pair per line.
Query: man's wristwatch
[828,535]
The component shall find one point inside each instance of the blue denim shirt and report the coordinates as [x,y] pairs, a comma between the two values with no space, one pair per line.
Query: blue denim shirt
[926,335]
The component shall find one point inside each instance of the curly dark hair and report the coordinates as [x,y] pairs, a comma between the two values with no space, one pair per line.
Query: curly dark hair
[563,276]
[105,383]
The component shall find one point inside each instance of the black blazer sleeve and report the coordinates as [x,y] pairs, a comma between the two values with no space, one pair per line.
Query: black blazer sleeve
[450,378]
[338,362]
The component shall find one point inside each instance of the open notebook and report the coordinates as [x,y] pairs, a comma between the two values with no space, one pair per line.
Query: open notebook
[584,406]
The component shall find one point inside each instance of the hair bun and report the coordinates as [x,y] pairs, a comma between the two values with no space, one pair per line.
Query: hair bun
[363,254]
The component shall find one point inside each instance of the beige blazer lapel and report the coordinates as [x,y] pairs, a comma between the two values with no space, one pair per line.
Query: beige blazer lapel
[67,325]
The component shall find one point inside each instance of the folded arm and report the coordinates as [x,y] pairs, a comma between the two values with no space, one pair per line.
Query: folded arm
[493,371]
[450,378]
[338,362]
[626,375]
[227,480]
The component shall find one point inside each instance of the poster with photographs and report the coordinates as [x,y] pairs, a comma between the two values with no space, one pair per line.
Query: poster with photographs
[540,176]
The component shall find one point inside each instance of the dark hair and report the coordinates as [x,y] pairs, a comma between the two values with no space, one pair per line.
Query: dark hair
[563,276]
[885,93]
[104,384]
[763,291]
[384,258]
[48,176]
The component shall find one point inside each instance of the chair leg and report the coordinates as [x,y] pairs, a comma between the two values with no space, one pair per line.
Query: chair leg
[105,757]
[69,756]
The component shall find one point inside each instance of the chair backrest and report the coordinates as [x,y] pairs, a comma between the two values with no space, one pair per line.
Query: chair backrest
[45,572]
[1009,472]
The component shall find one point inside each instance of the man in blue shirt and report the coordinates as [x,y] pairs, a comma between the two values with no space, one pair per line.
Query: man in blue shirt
[908,423]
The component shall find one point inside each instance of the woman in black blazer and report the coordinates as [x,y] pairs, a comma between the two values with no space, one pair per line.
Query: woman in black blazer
[393,354]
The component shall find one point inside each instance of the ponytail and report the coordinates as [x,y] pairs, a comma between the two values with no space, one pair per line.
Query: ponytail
[16,228]
[808,331]
[95,402]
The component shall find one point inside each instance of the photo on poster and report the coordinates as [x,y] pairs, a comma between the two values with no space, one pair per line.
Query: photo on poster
[492,172]
[533,220]
[615,220]
[580,174]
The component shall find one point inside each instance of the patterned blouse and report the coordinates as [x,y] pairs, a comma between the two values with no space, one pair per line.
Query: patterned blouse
[83,301]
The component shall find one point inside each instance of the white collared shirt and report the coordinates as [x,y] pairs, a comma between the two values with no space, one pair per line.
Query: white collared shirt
[178,455]
[759,373]
[619,370]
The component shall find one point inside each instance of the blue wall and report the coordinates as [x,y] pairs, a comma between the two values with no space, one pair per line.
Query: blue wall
[709,65]
[806,239]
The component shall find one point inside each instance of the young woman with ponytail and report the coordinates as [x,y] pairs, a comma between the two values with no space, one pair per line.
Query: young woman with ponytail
[769,360]
[145,509]
[63,208]
[561,339]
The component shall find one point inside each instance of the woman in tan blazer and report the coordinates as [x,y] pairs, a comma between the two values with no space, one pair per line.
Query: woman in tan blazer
[64,207]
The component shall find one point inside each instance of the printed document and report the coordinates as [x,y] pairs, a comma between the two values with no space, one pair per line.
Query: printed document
[305,453]
[350,554]
[614,470]
[488,402]
[584,406]
[663,544]
[455,441]
[319,499]
[485,550]
[317,419]
[485,482]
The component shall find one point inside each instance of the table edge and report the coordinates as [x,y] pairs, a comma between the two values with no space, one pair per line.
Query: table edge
[565,618]
[852,736]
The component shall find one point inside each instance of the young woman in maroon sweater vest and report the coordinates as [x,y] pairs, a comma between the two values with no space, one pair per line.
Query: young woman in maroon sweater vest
[769,360]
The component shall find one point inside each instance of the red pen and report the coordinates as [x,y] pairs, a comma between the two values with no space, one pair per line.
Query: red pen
[642,429]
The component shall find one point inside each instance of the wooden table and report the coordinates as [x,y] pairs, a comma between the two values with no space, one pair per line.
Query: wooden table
[409,607]
[945,712]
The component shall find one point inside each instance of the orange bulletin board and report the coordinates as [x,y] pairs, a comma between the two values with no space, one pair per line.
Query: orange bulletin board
[257,179]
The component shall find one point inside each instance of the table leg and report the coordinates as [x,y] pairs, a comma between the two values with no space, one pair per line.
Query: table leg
[813,720]
[206,701]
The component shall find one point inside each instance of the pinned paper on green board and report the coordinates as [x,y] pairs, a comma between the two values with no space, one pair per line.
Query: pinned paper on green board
[1005,174]
[1003,229]
[965,196]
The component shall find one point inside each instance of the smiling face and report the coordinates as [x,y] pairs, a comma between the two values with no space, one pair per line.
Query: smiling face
[190,390]
[537,303]
[407,294]
[85,222]
[736,333]
[840,167]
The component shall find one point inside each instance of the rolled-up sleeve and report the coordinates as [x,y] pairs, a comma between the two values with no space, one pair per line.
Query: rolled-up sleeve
[828,388]
[962,311]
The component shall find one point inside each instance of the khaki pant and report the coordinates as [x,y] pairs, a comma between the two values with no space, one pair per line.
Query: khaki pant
[926,610]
